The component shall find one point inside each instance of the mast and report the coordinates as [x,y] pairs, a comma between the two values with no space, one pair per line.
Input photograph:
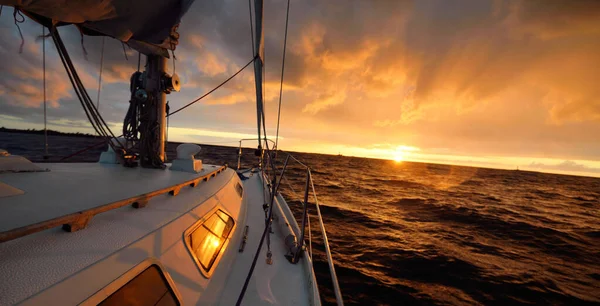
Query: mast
[258,64]
[44,84]
[156,66]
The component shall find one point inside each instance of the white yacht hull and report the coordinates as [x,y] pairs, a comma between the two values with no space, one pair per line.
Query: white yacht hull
[54,267]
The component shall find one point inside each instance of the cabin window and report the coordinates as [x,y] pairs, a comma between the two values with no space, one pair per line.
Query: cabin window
[208,239]
[148,288]
[239,189]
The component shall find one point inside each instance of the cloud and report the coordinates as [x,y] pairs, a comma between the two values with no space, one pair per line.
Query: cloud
[324,101]
[478,78]
[566,166]
[552,19]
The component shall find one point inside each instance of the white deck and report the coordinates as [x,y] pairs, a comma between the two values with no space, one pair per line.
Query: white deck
[56,267]
[281,283]
[68,188]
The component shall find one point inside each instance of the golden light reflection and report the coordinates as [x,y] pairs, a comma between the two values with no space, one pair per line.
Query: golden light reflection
[402,152]
[398,157]
[215,242]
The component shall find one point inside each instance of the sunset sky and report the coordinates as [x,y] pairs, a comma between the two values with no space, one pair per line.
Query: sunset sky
[500,84]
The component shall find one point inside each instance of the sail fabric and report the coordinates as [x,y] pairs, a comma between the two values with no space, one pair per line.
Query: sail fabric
[148,26]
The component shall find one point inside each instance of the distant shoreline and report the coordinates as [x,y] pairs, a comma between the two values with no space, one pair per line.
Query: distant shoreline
[90,136]
[50,132]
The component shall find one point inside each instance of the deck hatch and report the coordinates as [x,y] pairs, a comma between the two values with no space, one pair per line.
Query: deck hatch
[148,288]
[207,240]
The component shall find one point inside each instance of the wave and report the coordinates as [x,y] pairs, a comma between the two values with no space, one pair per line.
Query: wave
[330,186]
[592,234]
[492,198]
[357,219]
[547,194]
[520,232]
[585,199]
[397,183]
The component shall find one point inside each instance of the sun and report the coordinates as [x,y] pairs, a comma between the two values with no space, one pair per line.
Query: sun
[398,157]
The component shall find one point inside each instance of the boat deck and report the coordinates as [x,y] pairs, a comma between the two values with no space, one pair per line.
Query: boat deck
[70,267]
[37,261]
[280,283]
[72,187]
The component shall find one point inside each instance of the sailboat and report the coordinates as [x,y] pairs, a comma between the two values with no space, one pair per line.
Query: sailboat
[132,229]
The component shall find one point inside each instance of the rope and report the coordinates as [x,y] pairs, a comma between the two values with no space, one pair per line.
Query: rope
[174,59]
[124,51]
[100,76]
[44,85]
[291,188]
[84,150]
[17,21]
[167,132]
[287,15]
[262,239]
[212,90]
[267,229]
[98,123]
[83,46]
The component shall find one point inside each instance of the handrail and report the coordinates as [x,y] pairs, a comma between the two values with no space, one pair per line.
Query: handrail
[336,285]
[309,186]
[244,139]
[240,149]
[79,220]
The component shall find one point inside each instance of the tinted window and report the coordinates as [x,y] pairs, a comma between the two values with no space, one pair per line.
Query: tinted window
[239,189]
[206,241]
[148,288]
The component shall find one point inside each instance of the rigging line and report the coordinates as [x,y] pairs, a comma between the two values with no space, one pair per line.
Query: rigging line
[262,239]
[251,28]
[44,85]
[100,76]
[282,70]
[98,122]
[84,99]
[87,114]
[167,132]
[212,90]
[219,142]
[291,188]
[17,21]
[93,110]
[174,58]
[83,46]
[85,149]
[267,229]
[124,51]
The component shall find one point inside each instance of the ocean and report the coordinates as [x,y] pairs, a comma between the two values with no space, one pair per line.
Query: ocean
[428,234]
